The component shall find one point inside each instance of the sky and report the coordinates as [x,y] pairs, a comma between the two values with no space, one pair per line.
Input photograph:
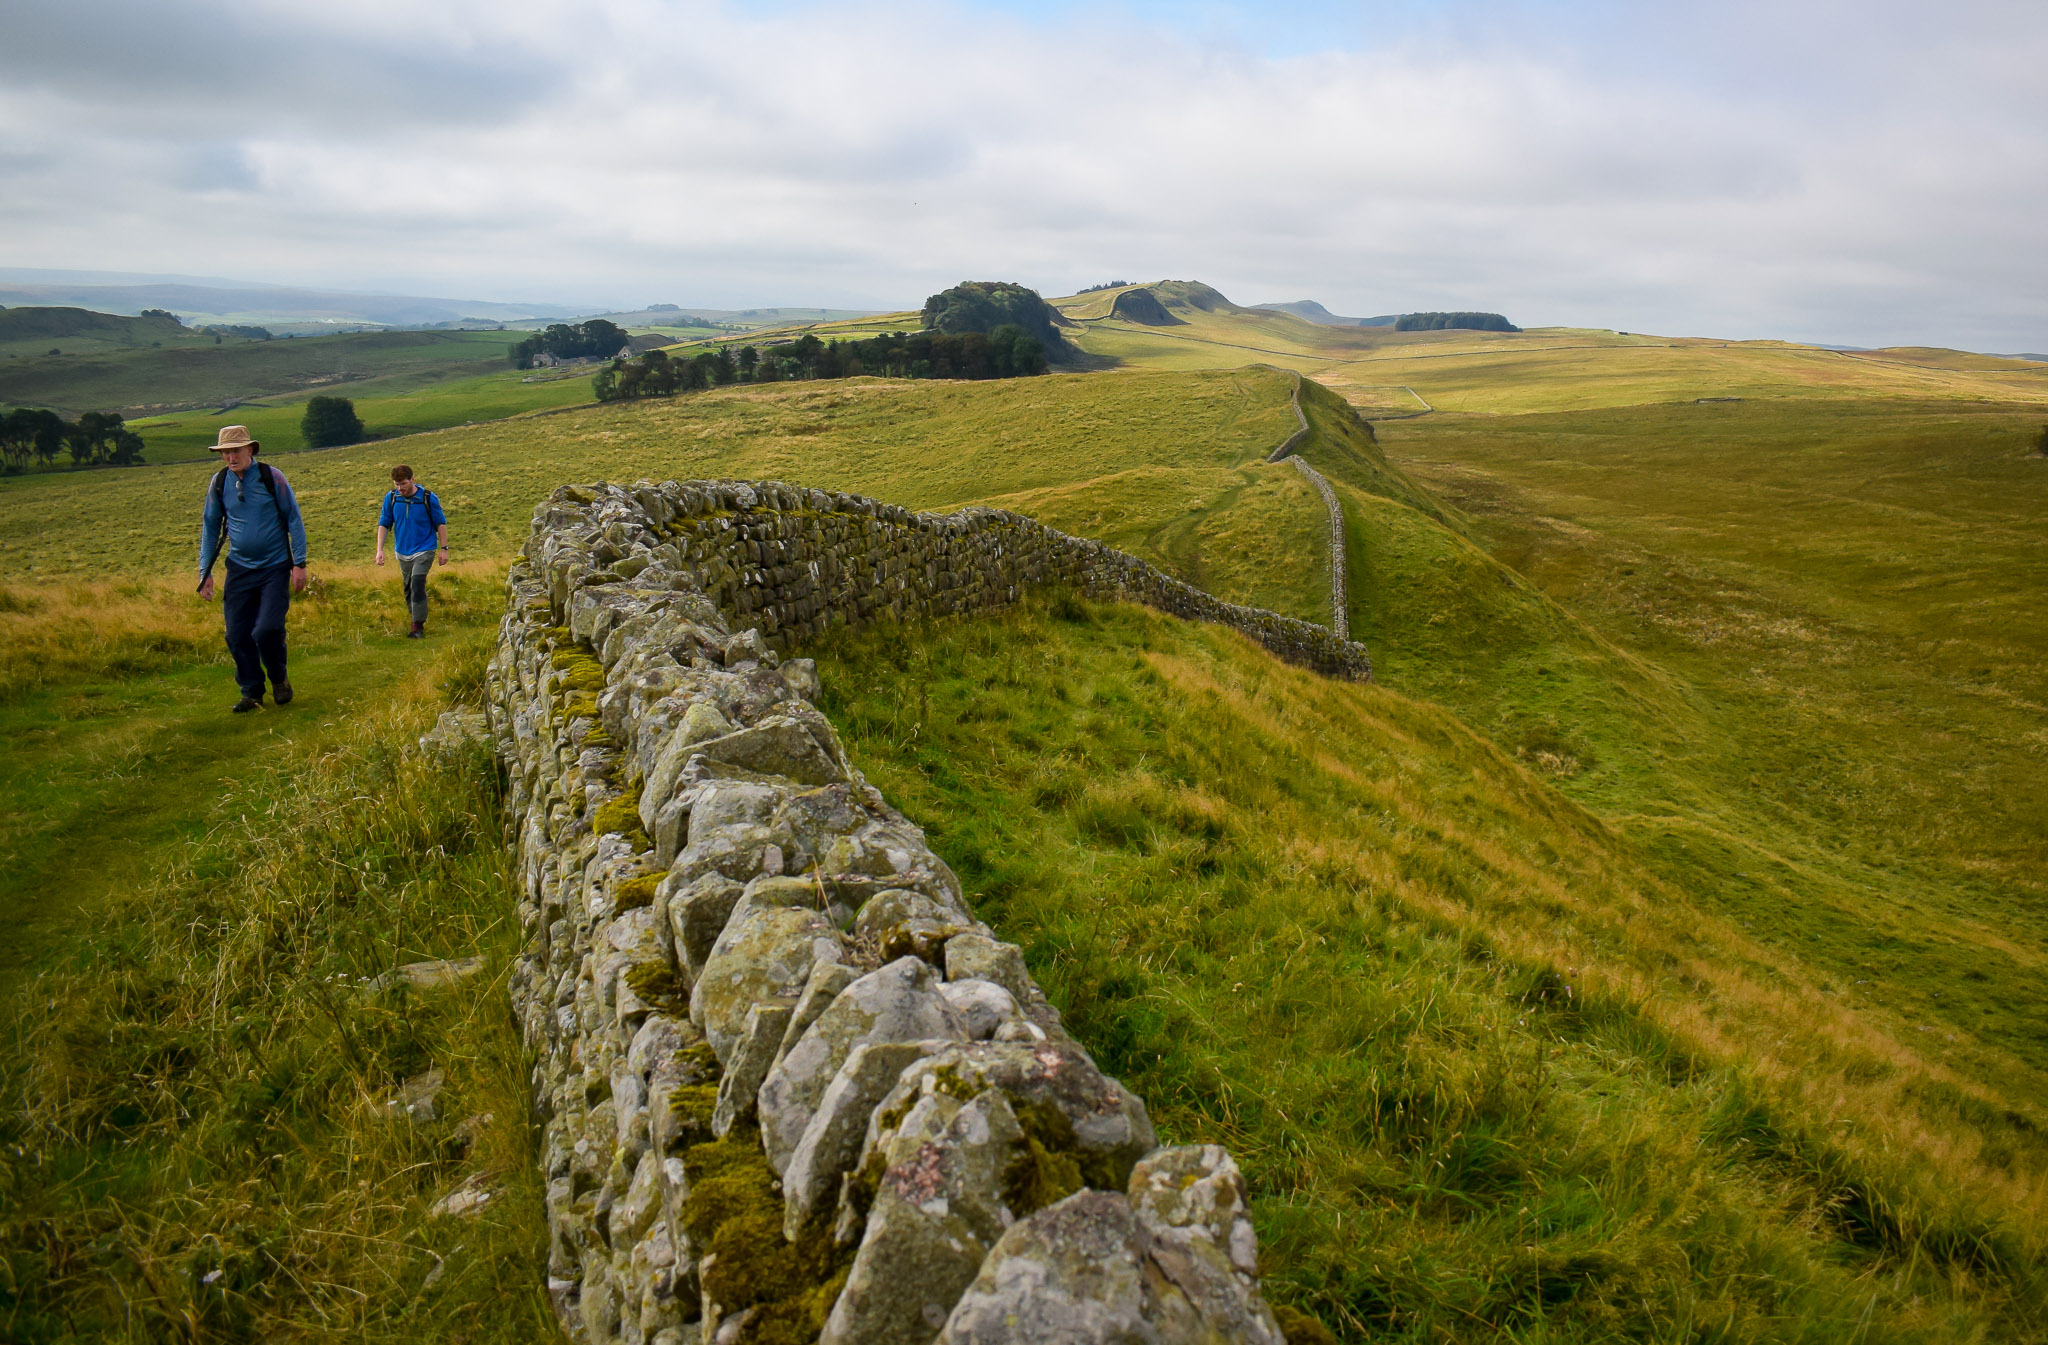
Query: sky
[1865,174]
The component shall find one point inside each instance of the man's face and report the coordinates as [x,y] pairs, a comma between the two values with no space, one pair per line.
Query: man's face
[238,458]
[406,488]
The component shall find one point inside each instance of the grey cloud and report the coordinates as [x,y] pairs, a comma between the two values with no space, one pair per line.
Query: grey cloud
[1730,168]
[256,66]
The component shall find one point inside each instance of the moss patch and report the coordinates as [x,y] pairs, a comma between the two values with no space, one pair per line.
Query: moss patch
[1052,1165]
[581,705]
[634,893]
[580,670]
[734,1212]
[622,815]
[656,985]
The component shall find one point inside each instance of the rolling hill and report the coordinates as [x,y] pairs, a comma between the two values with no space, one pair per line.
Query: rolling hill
[1654,953]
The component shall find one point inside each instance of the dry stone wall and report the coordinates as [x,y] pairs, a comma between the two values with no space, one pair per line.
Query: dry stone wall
[1340,602]
[791,1088]
[1292,441]
[792,562]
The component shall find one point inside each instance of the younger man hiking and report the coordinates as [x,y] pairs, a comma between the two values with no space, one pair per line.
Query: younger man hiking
[413,519]
[252,506]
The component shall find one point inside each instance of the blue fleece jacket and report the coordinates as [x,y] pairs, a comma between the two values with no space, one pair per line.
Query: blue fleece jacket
[254,538]
[412,521]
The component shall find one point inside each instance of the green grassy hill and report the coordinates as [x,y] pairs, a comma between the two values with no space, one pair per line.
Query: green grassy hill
[31,332]
[1655,953]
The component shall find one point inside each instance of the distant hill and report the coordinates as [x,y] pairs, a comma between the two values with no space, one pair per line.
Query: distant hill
[674,315]
[54,324]
[1142,306]
[1192,294]
[281,308]
[1310,311]
[1445,322]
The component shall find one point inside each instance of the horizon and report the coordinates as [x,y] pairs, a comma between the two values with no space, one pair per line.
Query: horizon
[1864,176]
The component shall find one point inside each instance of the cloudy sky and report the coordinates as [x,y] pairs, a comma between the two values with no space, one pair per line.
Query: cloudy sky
[1862,173]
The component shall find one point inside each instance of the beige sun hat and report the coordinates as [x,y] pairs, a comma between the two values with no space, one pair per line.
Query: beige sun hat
[235,436]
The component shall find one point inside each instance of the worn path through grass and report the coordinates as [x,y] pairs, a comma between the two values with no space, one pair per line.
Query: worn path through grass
[106,777]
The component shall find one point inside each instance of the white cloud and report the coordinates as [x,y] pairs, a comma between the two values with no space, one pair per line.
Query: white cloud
[1859,174]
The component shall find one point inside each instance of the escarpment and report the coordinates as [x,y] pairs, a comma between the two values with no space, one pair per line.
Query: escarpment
[791,1087]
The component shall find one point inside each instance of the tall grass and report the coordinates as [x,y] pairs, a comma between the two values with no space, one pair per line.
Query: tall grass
[198,1139]
[70,630]
[1489,1077]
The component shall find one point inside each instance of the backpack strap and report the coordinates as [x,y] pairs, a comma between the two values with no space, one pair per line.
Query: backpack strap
[284,525]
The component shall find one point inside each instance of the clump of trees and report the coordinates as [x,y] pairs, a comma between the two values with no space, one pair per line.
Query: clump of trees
[330,422]
[236,329]
[984,305]
[1106,285]
[1007,352]
[1438,322]
[96,439]
[161,313]
[596,338]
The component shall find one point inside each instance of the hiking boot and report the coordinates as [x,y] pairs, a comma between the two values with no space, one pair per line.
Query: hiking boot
[248,703]
[281,693]
[418,631]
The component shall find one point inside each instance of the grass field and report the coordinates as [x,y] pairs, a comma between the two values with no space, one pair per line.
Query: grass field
[1677,901]
[923,444]
[196,1138]
[1528,1090]
[139,382]
[389,409]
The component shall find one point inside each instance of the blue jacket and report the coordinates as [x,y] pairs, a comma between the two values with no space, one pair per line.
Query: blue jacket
[412,521]
[254,537]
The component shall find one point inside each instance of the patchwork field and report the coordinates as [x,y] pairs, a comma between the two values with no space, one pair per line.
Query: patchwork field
[1656,953]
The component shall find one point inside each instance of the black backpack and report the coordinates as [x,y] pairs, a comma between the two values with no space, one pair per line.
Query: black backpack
[220,497]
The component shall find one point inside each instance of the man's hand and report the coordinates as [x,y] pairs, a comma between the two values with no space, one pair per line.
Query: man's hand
[444,556]
[206,587]
[380,555]
[298,578]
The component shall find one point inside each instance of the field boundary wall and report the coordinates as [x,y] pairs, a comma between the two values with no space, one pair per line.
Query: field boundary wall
[1340,608]
[790,1087]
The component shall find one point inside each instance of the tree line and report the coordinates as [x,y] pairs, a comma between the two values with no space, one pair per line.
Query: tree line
[1438,322]
[1006,352]
[571,340]
[95,439]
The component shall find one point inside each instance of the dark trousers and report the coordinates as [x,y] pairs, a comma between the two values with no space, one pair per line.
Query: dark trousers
[254,603]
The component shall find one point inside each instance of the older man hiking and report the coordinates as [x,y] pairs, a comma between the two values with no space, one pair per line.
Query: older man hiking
[251,505]
[412,518]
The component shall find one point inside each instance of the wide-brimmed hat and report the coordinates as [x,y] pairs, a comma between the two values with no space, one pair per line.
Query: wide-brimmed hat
[235,436]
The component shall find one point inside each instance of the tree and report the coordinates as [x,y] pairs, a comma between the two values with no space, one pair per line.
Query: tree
[1015,352]
[596,338]
[330,422]
[100,438]
[27,433]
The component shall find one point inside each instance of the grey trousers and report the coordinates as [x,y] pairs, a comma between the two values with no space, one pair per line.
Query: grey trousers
[413,571]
